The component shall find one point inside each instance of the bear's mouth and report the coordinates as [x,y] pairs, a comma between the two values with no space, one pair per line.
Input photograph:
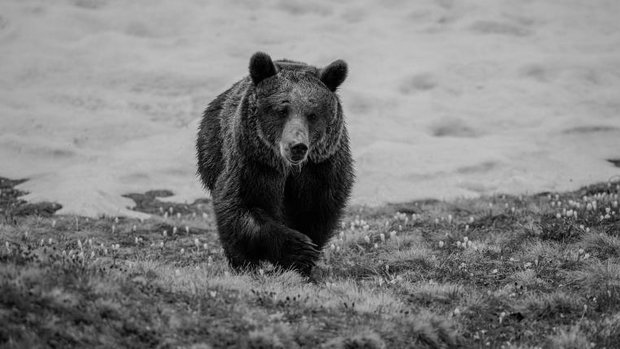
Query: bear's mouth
[293,160]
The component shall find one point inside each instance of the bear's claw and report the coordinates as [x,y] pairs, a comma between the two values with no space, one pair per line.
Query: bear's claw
[300,252]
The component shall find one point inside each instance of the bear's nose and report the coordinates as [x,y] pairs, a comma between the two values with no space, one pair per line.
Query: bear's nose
[298,151]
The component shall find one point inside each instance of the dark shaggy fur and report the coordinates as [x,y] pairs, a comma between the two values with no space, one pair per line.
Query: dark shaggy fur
[274,152]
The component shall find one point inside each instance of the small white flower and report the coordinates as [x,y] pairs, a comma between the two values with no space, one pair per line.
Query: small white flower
[471,220]
[174,230]
[441,243]
[182,251]
[137,241]
[164,233]
[466,227]
[205,246]
[494,271]
[392,234]
[465,238]
[458,244]
[367,239]
[376,246]
[382,237]
[186,230]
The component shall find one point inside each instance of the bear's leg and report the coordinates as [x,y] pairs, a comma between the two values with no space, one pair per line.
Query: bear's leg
[249,236]
[315,199]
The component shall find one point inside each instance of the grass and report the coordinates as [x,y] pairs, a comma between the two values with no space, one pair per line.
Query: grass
[540,271]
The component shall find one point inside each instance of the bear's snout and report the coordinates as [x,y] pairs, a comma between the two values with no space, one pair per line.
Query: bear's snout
[294,152]
[298,151]
[294,143]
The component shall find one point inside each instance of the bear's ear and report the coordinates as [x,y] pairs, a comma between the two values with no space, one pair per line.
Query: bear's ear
[261,67]
[334,74]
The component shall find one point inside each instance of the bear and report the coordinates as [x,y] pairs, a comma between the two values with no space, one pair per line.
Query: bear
[273,150]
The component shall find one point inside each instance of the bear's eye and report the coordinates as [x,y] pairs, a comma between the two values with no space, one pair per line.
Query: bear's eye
[282,110]
[311,117]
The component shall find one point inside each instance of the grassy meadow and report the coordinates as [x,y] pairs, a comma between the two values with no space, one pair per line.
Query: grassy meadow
[537,271]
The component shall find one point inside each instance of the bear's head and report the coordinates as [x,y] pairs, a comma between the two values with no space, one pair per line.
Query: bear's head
[298,114]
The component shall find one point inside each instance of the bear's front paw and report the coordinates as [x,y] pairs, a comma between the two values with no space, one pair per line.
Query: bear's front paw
[299,253]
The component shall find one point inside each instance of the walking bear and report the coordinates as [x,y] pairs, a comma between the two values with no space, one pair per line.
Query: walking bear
[273,150]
